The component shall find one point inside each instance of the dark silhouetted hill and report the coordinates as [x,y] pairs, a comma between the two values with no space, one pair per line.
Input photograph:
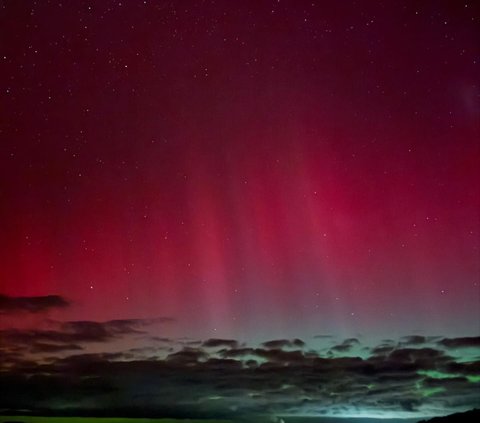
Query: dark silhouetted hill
[466,417]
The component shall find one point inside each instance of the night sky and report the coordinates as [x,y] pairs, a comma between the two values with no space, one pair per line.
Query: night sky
[174,173]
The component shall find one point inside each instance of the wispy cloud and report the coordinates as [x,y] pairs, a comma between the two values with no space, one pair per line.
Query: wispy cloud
[39,304]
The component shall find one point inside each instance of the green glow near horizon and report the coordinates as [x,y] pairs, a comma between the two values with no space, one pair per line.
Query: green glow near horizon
[434,374]
[428,392]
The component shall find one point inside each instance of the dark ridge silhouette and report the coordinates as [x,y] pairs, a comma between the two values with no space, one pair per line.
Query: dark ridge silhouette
[466,417]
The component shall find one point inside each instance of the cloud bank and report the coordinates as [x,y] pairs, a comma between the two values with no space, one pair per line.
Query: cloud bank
[122,367]
[226,378]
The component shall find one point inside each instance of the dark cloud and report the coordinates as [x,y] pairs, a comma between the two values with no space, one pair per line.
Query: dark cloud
[346,345]
[411,355]
[31,336]
[161,339]
[382,349]
[462,367]
[40,347]
[413,340]
[31,304]
[237,352]
[215,343]
[68,332]
[89,331]
[187,356]
[72,335]
[148,350]
[91,358]
[284,343]
[202,381]
[473,341]
[277,355]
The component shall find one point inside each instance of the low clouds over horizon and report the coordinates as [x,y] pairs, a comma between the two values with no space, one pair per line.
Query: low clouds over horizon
[56,366]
